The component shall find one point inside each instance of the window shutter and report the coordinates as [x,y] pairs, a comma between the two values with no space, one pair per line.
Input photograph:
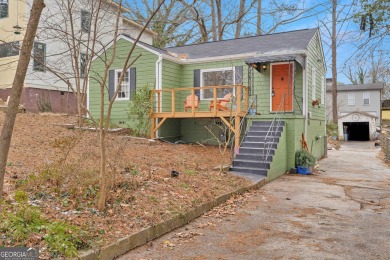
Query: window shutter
[111,83]
[197,82]
[133,82]
[238,75]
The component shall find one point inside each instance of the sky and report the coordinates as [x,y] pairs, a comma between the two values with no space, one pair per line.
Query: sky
[349,35]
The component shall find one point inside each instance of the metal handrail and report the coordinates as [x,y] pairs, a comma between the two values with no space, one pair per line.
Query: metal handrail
[275,119]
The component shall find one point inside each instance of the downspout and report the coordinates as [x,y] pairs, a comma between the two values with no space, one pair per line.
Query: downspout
[158,84]
[305,98]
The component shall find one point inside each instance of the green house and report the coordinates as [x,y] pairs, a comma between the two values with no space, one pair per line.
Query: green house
[264,93]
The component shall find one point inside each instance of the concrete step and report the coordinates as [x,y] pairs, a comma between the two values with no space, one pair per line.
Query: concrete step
[260,144]
[250,170]
[269,138]
[253,157]
[267,123]
[251,164]
[265,128]
[255,151]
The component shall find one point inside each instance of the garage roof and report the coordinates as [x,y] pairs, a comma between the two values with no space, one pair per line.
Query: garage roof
[349,87]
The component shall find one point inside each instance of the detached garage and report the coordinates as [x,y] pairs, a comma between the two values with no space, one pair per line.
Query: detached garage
[357,126]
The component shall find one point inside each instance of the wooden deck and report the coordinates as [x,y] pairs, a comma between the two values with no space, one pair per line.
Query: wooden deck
[170,103]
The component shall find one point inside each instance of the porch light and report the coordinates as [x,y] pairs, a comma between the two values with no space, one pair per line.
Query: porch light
[17,29]
[264,67]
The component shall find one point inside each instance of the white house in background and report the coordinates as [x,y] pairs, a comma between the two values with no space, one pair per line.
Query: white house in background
[359,109]
[42,87]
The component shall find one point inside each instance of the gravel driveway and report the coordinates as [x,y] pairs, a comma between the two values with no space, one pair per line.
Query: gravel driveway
[341,212]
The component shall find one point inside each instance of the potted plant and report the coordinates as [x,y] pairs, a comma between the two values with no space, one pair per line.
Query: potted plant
[304,161]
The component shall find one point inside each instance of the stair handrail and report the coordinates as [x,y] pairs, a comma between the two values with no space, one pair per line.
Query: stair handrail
[267,143]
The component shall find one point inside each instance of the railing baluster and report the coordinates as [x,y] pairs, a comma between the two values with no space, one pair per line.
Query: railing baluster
[215,100]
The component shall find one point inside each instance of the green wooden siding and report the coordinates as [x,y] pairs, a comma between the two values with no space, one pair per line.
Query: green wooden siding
[145,66]
[316,128]
[171,78]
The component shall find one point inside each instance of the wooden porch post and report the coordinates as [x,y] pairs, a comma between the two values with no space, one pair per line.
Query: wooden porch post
[237,122]
[152,128]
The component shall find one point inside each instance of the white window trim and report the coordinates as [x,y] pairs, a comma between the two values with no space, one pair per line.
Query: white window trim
[322,90]
[313,83]
[116,82]
[366,95]
[211,70]
[351,99]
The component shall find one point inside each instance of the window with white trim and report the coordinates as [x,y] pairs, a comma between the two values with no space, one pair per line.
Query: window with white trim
[83,64]
[322,90]
[313,84]
[3,9]
[85,20]
[216,77]
[366,98]
[124,90]
[351,99]
[39,63]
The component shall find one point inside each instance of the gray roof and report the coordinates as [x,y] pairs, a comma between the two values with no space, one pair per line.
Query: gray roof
[370,86]
[264,44]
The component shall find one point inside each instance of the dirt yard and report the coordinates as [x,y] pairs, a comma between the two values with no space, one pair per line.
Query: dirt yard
[59,169]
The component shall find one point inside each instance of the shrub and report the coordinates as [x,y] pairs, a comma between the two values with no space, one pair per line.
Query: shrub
[23,224]
[304,158]
[140,108]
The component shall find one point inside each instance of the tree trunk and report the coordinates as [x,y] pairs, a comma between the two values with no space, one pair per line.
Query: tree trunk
[239,20]
[258,31]
[334,64]
[213,21]
[102,177]
[219,19]
[17,87]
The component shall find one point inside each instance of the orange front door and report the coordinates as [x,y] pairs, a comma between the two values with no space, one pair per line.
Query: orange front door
[282,90]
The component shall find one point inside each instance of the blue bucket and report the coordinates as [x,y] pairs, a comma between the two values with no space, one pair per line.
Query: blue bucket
[304,170]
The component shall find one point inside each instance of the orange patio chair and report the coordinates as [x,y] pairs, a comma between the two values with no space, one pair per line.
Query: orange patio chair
[221,103]
[188,103]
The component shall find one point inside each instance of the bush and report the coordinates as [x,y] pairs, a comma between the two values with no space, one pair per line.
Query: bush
[140,108]
[332,129]
[304,158]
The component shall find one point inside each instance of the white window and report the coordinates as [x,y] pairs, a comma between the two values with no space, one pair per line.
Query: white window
[3,8]
[124,90]
[322,90]
[85,20]
[9,49]
[83,64]
[216,77]
[366,98]
[39,63]
[351,99]
[313,84]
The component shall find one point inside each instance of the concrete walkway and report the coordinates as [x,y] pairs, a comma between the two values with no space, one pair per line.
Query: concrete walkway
[342,212]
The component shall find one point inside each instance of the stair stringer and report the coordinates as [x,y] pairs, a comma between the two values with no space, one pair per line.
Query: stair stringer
[279,164]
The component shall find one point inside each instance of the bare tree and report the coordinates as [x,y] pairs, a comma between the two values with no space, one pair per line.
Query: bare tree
[17,87]
[105,117]
[334,62]
[170,23]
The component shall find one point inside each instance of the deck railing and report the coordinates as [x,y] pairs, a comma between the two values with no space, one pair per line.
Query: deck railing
[170,102]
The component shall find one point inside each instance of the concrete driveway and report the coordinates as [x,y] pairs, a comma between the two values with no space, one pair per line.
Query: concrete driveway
[341,212]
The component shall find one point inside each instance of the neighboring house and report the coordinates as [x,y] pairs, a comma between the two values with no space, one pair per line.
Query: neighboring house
[359,110]
[385,112]
[280,77]
[43,90]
